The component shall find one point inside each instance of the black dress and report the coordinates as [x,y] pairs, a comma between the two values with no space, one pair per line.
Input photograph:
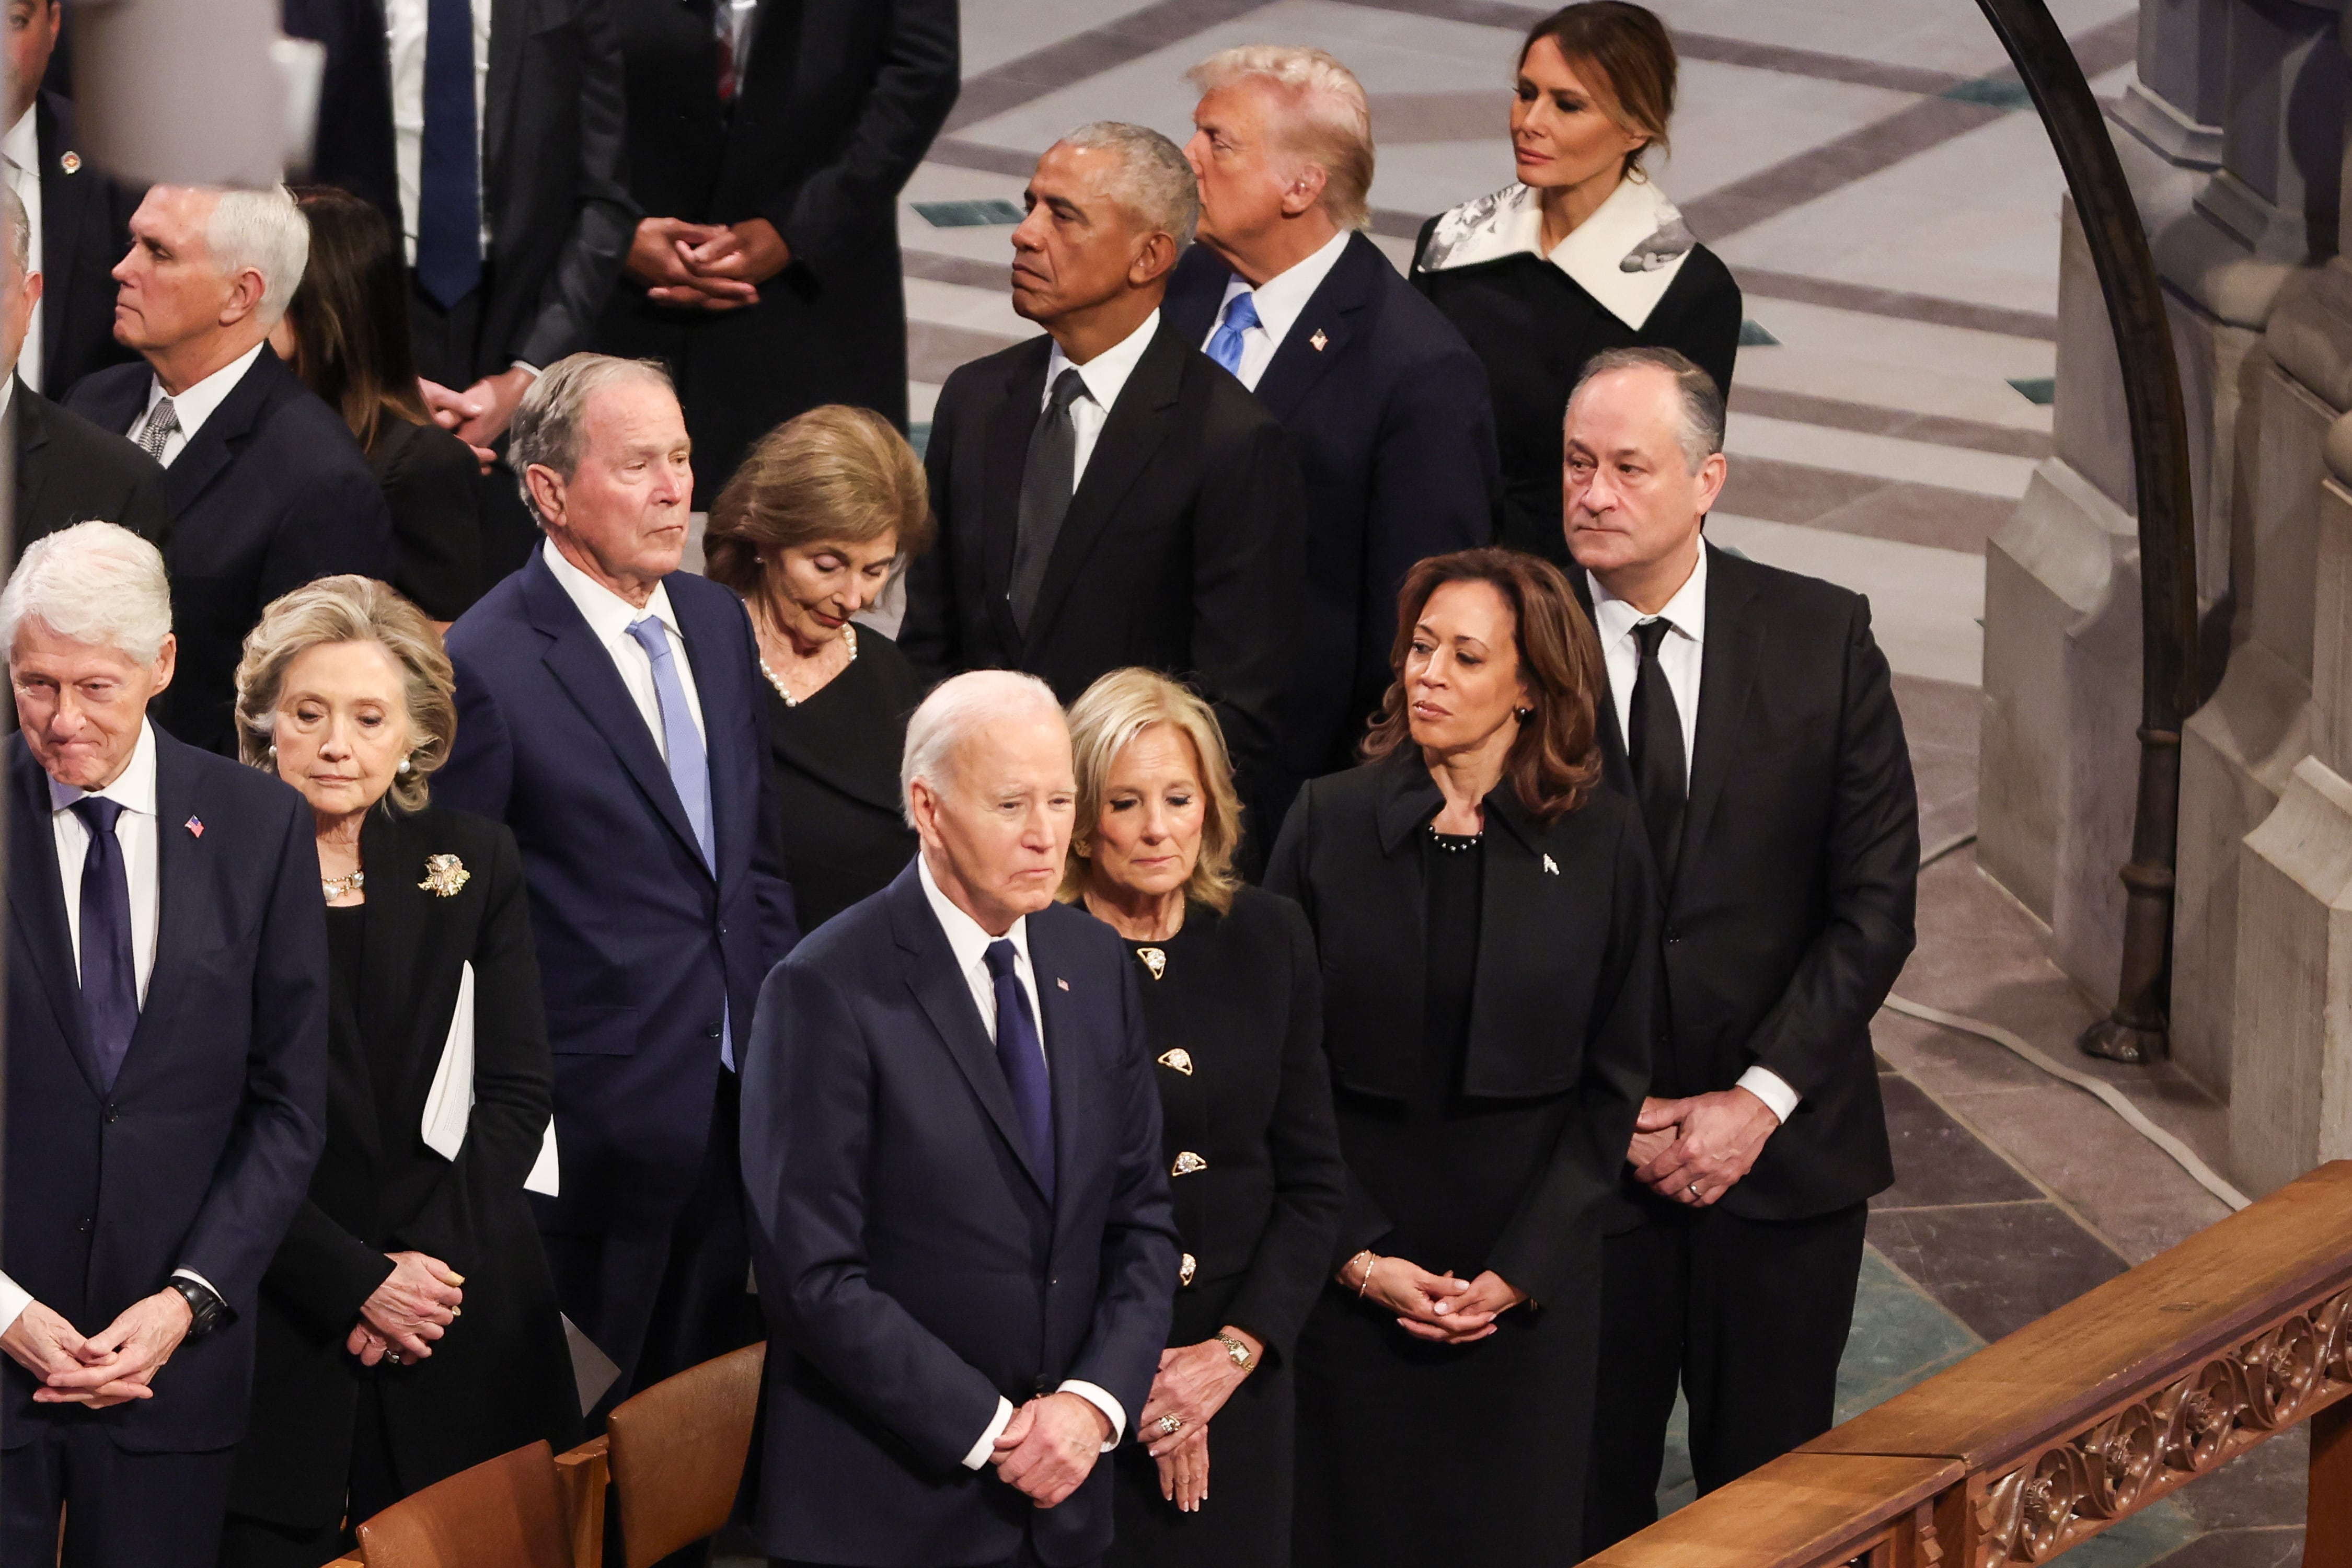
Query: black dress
[433,486]
[1487,1078]
[1234,1011]
[835,756]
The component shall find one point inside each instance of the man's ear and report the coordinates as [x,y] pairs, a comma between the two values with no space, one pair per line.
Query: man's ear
[1153,258]
[246,291]
[546,491]
[167,662]
[1710,478]
[1306,190]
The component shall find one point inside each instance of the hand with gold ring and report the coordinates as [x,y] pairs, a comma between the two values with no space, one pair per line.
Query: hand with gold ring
[1170,1424]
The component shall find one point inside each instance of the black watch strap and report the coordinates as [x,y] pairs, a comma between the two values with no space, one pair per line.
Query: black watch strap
[207,1311]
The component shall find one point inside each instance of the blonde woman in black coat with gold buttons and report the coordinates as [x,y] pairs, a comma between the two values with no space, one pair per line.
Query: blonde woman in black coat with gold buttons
[1234,1010]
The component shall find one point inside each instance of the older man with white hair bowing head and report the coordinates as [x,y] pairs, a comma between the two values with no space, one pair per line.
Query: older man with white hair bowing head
[951,1142]
[166,1078]
[268,490]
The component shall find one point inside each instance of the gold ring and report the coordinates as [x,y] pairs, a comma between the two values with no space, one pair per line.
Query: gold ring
[1170,1424]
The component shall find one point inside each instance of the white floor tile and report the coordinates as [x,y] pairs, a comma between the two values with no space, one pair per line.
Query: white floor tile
[1914,388]
[977,310]
[1925,604]
[1733,121]
[1934,35]
[1881,456]
[1892,341]
[996,31]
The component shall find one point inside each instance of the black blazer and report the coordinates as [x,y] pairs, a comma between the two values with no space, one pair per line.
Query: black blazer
[840,100]
[1790,913]
[910,1264]
[433,489]
[1182,548]
[501,1377]
[84,230]
[560,221]
[1386,409]
[271,494]
[198,1153]
[1562,1001]
[69,471]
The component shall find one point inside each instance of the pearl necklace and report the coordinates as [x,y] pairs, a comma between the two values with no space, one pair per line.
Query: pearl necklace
[337,887]
[849,636]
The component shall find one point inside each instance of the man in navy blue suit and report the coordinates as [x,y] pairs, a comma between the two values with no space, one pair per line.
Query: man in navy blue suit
[1385,405]
[167,1068]
[952,1139]
[608,713]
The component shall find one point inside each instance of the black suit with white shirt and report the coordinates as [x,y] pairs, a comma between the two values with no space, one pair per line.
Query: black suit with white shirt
[83,229]
[69,471]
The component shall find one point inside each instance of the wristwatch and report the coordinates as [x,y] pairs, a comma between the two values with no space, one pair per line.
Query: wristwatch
[207,1311]
[1238,1352]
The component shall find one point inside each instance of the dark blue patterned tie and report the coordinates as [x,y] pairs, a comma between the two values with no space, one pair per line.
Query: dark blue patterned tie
[1023,1061]
[448,198]
[110,982]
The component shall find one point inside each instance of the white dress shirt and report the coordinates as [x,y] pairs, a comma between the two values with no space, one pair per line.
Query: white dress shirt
[403,32]
[609,616]
[1279,300]
[1105,375]
[21,148]
[197,404]
[970,943]
[1680,657]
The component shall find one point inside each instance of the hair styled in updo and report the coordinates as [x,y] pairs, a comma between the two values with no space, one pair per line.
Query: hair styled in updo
[1624,53]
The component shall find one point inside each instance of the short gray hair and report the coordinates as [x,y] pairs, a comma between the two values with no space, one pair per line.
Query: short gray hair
[1701,436]
[1154,182]
[20,230]
[958,707]
[266,231]
[545,431]
[94,583]
[1331,122]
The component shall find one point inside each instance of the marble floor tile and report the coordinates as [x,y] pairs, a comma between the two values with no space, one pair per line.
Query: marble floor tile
[1912,387]
[1922,514]
[1900,1335]
[961,305]
[995,32]
[1938,1163]
[1996,1266]
[937,182]
[1927,34]
[934,350]
[1939,724]
[1924,602]
[1895,337]
[2277,1546]
[1886,457]
[1820,171]
[2268,1486]
[1875,419]
[1732,121]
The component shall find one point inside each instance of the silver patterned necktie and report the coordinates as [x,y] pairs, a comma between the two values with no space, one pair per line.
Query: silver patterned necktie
[163,424]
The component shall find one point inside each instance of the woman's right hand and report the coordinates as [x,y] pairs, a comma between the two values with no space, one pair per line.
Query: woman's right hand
[1412,1293]
[1185,1471]
[417,1301]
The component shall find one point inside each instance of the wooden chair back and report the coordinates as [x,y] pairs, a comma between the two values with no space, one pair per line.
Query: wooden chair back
[676,1454]
[506,1513]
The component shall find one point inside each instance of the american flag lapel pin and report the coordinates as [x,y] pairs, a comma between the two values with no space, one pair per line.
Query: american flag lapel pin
[195,827]
[1062,982]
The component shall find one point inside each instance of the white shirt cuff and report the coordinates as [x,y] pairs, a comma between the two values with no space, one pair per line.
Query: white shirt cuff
[191,1274]
[978,1459]
[1101,1400]
[14,1300]
[524,364]
[1772,1089]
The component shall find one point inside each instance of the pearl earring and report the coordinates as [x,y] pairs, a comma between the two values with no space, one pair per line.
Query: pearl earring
[404,765]
[273,750]
[1523,713]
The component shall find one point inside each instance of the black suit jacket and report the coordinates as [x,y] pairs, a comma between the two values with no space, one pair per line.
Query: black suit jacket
[840,100]
[1182,548]
[501,1378]
[69,471]
[197,1155]
[270,493]
[911,1266]
[1791,912]
[560,221]
[84,230]
[1386,409]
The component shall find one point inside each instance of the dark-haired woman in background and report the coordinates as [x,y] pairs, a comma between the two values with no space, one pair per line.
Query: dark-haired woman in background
[1583,253]
[1487,927]
[345,333]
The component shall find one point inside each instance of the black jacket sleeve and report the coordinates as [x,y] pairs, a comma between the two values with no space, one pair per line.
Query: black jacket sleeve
[928,634]
[433,490]
[583,274]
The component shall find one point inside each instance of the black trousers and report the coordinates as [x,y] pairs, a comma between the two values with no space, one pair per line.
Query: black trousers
[250,1542]
[122,1510]
[1748,1317]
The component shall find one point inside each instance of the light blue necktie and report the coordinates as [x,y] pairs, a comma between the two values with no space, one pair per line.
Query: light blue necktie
[689,769]
[1226,342]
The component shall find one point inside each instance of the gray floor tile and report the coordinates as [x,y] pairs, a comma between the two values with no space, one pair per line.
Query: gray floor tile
[1996,1266]
[1936,1161]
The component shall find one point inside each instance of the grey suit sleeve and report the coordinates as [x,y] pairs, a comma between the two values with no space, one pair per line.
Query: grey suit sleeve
[583,274]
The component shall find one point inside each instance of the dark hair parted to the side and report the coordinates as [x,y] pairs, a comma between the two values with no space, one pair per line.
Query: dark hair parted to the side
[351,315]
[1556,761]
[1631,53]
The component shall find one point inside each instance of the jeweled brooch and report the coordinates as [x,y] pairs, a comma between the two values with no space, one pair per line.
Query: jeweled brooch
[444,875]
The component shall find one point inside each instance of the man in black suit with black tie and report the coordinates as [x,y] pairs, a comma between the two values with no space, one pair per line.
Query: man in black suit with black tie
[1386,406]
[767,141]
[1752,717]
[167,1072]
[1106,494]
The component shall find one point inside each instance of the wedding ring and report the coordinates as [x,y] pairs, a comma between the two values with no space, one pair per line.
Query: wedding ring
[1694,1190]
[1170,1424]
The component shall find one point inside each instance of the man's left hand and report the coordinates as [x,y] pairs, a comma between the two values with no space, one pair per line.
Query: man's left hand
[480,414]
[1722,1133]
[120,1359]
[1057,1448]
[735,264]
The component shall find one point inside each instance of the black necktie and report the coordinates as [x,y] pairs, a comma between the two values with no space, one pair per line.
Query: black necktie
[1022,1060]
[1047,477]
[448,178]
[1653,744]
[110,982]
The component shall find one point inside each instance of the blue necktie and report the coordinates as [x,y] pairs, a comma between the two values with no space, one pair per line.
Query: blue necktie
[1023,1062]
[110,982]
[449,197]
[689,769]
[1226,342]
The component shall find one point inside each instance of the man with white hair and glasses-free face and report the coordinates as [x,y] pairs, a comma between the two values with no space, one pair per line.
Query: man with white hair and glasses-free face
[166,1078]
[952,1142]
[1105,495]
[266,487]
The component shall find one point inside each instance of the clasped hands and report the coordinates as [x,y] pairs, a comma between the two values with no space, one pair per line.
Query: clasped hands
[1050,1446]
[1439,1307]
[1192,1385]
[414,1306]
[113,1367]
[706,266]
[1695,1149]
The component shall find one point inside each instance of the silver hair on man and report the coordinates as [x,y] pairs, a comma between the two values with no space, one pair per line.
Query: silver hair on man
[957,709]
[93,583]
[545,431]
[1330,121]
[266,231]
[1701,436]
[1154,182]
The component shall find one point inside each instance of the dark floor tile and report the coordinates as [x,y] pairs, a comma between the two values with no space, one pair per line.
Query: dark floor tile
[1922,514]
[1789,492]
[2266,1486]
[1997,1266]
[1936,1161]
[2281,1548]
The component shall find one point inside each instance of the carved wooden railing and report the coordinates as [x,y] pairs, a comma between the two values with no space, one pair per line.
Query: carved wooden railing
[2078,1420]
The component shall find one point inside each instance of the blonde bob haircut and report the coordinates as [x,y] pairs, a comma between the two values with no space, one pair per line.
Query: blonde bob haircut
[1109,715]
[351,609]
[1330,121]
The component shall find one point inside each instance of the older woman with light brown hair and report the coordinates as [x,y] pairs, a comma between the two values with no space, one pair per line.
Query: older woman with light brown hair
[407,1326]
[807,531]
[1232,1007]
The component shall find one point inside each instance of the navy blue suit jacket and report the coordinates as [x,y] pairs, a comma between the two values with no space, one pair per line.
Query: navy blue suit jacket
[910,1265]
[198,1154]
[270,493]
[642,952]
[1394,431]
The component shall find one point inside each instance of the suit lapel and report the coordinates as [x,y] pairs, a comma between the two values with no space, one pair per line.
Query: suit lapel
[1011,425]
[209,451]
[508,25]
[1058,1025]
[1319,335]
[1728,666]
[64,198]
[183,878]
[27,434]
[37,903]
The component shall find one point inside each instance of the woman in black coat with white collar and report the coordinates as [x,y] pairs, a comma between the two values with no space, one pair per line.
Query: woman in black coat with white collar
[1487,925]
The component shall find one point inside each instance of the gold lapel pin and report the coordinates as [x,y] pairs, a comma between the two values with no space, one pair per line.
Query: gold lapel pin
[1319,343]
[1179,1059]
[70,163]
[1154,960]
[1186,1164]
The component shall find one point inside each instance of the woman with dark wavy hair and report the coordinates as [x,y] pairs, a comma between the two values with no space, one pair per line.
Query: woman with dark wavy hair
[1487,926]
